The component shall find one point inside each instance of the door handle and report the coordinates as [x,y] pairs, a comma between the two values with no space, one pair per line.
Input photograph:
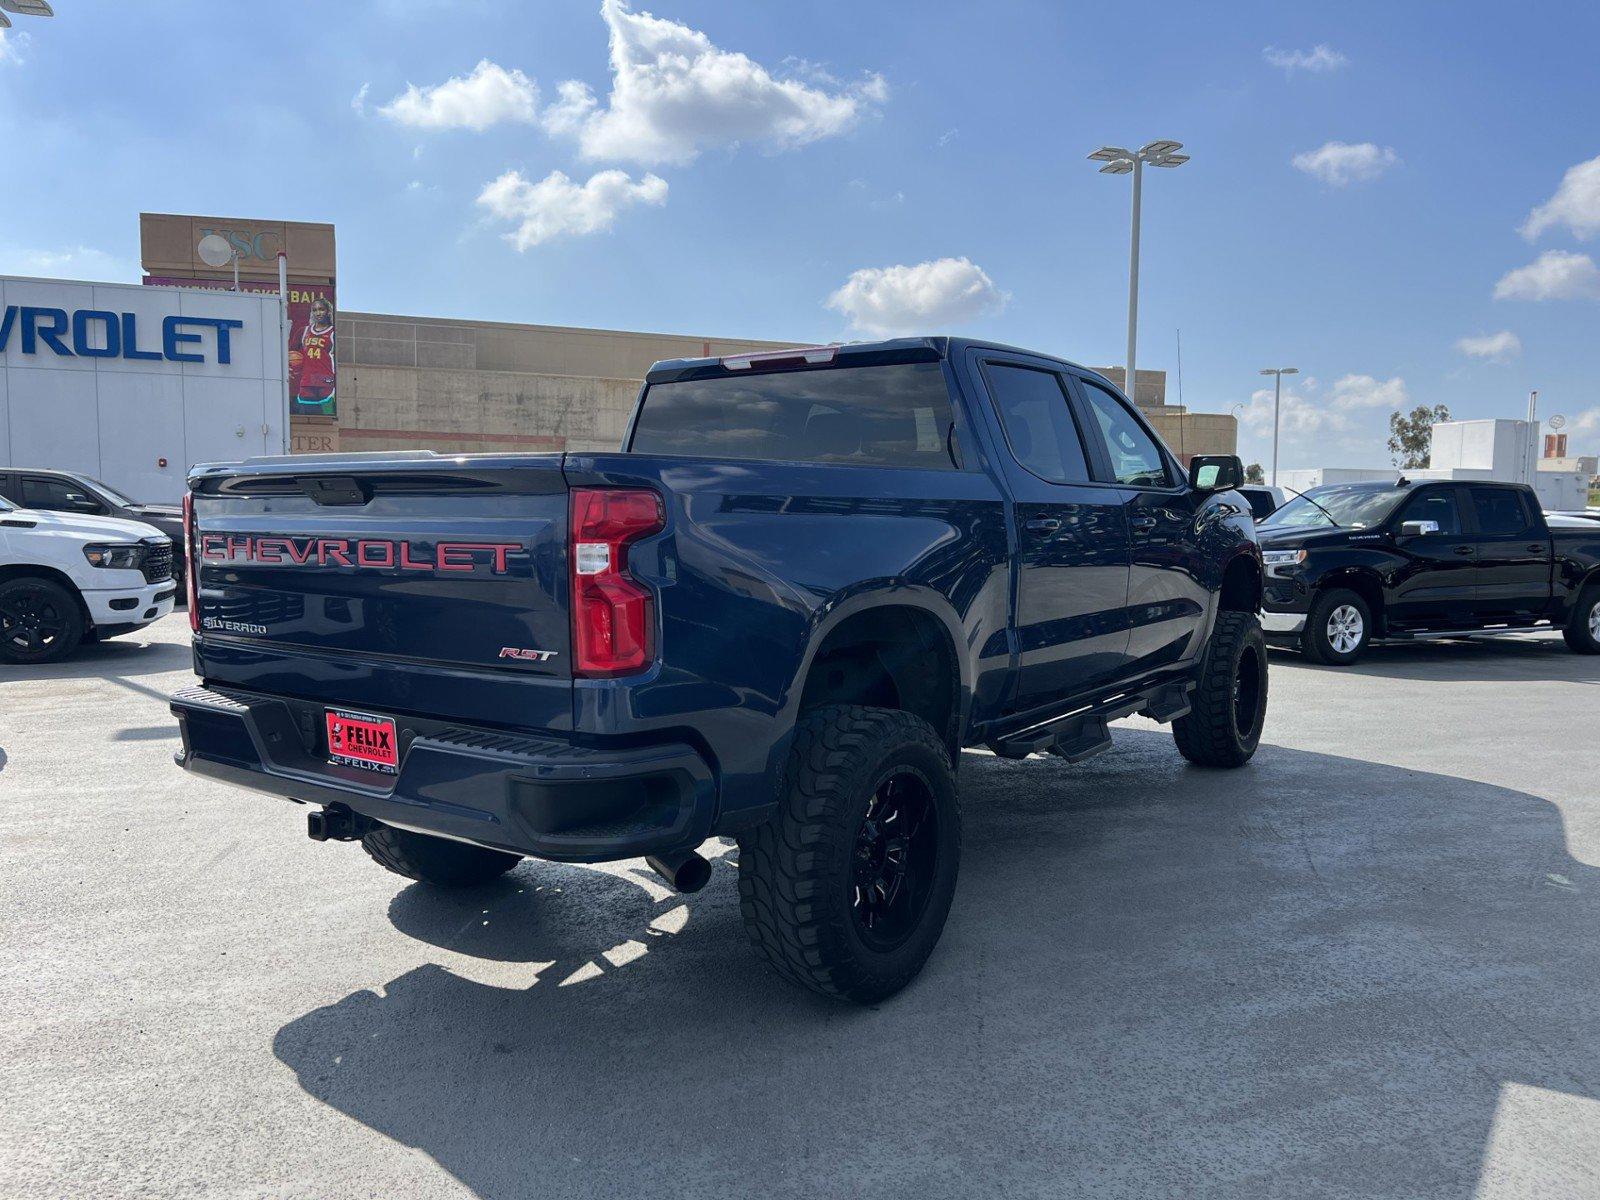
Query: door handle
[1142,521]
[1042,525]
[1465,549]
[1537,548]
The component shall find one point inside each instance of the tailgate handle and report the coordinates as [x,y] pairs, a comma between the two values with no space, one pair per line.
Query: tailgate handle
[335,489]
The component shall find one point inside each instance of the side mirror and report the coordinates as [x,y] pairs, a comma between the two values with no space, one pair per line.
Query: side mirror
[1418,528]
[1215,472]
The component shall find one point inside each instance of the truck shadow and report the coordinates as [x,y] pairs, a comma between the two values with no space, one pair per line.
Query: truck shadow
[122,656]
[1314,976]
[1512,659]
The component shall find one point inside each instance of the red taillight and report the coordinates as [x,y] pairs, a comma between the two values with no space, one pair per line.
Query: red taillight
[613,614]
[191,565]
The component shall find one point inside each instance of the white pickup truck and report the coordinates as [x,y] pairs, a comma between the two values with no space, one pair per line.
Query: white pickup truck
[65,578]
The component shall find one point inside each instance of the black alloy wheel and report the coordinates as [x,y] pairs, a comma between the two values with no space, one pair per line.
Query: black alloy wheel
[896,853]
[39,621]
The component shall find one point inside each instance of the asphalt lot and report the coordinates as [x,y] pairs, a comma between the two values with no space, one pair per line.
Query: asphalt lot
[1367,965]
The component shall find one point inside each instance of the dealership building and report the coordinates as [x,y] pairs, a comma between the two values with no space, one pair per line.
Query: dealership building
[355,381]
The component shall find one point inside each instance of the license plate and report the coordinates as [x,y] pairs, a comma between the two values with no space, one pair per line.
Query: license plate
[362,740]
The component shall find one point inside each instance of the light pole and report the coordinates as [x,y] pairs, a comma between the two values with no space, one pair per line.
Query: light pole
[1277,397]
[1121,161]
[25,8]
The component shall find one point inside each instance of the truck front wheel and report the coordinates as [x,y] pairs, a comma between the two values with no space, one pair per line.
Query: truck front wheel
[846,890]
[435,860]
[1223,727]
[40,621]
[1583,630]
[1338,628]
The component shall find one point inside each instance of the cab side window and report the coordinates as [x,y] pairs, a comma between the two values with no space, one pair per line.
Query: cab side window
[1038,422]
[52,495]
[1499,512]
[1436,506]
[1135,459]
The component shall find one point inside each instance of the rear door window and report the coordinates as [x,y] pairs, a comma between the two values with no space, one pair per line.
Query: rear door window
[1135,458]
[1499,512]
[1038,421]
[1261,503]
[893,415]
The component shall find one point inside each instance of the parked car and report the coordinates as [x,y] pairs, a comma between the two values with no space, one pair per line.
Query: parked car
[809,579]
[66,578]
[1351,564]
[1264,500]
[45,490]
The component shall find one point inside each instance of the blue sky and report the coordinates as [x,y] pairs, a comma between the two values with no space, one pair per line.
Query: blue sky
[736,165]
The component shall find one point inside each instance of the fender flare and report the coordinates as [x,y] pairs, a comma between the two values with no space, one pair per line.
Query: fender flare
[869,595]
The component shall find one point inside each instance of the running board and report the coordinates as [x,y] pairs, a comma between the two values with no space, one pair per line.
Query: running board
[1433,635]
[1082,734]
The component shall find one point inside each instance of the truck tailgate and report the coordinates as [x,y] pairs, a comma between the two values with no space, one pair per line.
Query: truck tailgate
[388,581]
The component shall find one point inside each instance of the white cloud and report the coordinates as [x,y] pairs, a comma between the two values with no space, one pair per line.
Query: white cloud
[1341,425]
[488,96]
[948,136]
[556,206]
[1343,163]
[13,46]
[358,102]
[1554,275]
[1576,204]
[1319,60]
[1493,347]
[1363,391]
[675,94]
[1585,422]
[925,298]
[70,262]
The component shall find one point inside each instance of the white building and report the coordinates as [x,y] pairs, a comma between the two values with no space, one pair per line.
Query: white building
[1485,449]
[134,385]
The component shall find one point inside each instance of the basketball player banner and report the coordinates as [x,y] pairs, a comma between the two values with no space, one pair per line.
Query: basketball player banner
[313,364]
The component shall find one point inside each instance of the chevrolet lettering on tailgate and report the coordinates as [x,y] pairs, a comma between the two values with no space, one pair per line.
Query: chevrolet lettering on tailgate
[379,554]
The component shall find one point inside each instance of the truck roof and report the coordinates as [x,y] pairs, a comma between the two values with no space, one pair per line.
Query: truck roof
[905,349]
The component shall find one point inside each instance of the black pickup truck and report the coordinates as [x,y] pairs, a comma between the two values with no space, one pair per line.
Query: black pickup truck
[1353,563]
[806,582]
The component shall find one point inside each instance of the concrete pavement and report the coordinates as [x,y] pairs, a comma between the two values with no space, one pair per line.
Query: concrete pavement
[1366,965]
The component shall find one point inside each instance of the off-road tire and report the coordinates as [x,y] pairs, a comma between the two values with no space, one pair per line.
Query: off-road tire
[796,872]
[1578,633]
[435,860]
[1229,705]
[1314,643]
[64,613]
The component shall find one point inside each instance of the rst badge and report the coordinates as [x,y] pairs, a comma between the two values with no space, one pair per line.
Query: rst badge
[526,655]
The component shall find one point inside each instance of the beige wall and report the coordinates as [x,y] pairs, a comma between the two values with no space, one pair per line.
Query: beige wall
[466,387]
[1152,384]
[1188,434]
[169,245]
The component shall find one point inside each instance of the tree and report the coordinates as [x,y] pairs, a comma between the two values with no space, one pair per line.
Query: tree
[1411,437]
[1254,473]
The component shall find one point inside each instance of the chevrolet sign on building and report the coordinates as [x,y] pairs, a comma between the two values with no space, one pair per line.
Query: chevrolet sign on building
[132,385]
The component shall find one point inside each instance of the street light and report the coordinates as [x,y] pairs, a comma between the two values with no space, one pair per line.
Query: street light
[1277,395]
[1121,161]
[24,8]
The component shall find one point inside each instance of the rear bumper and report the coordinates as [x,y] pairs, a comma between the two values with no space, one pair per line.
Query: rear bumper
[532,795]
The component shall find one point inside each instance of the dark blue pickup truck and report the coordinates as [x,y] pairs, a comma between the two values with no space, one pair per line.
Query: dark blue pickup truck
[807,581]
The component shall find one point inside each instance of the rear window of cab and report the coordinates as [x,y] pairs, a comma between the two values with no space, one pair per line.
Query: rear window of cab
[891,415]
